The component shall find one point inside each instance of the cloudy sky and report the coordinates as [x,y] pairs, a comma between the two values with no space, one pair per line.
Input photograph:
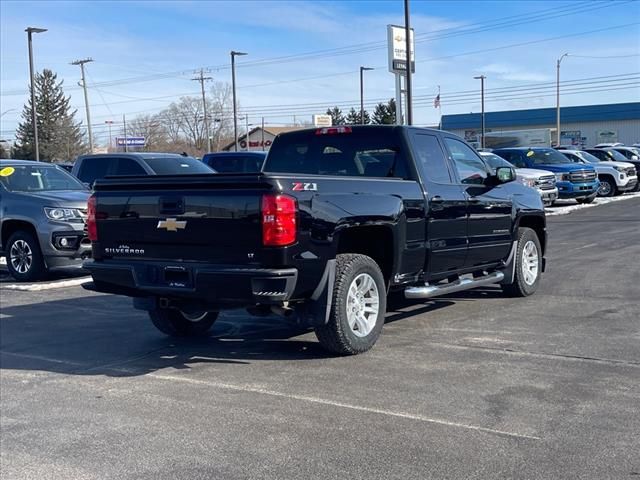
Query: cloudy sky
[304,56]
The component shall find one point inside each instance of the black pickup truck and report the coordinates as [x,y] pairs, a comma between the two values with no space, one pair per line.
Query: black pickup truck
[339,218]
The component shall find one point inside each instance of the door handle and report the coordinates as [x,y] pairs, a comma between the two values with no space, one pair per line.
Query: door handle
[437,199]
[473,200]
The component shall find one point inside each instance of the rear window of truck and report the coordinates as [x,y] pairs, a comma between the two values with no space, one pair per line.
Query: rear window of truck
[357,153]
[176,165]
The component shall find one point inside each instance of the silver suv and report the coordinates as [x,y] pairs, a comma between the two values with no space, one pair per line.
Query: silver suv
[42,220]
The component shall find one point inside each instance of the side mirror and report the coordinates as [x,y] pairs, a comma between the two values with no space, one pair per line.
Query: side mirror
[505,174]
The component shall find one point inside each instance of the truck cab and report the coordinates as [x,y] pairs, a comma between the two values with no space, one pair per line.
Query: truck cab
[574,181]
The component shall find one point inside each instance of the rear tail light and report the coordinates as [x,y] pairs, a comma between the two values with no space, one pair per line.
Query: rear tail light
[333,130]
[92,227]
[278,220]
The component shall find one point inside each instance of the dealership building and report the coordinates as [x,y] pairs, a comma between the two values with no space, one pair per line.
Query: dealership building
[584,125]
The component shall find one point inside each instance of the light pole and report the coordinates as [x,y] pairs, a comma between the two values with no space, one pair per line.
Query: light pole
[481,78]
[362,69]
[30,31]
[86,98]
[235,54]
[109,122]
[407,33]
[558,98]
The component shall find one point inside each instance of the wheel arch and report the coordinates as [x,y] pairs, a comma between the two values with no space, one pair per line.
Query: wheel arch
[537,224]
[375,241]
[9,227]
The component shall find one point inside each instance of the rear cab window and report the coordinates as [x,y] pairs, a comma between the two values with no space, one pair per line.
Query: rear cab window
[176,165]
[94,168]
[354,153]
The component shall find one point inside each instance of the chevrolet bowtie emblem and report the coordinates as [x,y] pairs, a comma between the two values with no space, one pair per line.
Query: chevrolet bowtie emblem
[172,225]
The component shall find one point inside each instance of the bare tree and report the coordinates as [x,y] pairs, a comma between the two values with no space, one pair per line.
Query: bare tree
[152,129]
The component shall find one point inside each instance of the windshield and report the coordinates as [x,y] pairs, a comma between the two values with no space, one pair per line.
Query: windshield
[615,155]
[547,156]
[37,178]
[494,160]
[176,165]
[586,156]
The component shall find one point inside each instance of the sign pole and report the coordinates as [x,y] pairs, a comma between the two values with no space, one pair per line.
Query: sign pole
[399,99]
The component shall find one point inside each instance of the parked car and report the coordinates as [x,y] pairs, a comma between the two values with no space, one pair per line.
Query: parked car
[89,168]
[235,162]
[42,219]
[615,177]
[609,144]
[579,182]
[337,218]
[608,154]
[542,180]
[631,153]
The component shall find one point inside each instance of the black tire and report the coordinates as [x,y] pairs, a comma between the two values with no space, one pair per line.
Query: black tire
[23,241]
[608,187]
[520,287]
[172,322]
[585,200]
[337,336]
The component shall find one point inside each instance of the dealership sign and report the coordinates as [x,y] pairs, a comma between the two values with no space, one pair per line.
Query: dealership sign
[130,141]
[322,120]
[397,45]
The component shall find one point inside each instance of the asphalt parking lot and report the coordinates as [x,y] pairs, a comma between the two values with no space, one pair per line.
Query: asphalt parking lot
[471,385]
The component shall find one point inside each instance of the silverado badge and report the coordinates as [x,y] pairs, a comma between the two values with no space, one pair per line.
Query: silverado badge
[172,225]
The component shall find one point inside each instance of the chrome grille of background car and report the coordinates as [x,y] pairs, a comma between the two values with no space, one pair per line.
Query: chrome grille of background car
[547,182]
[582,176]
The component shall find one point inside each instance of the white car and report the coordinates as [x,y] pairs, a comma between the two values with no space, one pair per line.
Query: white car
[615,177]
[606,145]
[542,180]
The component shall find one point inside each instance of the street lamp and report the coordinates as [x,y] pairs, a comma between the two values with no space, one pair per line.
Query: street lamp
[481,78]
[407,32]
[30,31]
[235,54]
[558,98]
[362,69]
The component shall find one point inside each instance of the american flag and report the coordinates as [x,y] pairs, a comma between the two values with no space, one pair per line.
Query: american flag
[436,101]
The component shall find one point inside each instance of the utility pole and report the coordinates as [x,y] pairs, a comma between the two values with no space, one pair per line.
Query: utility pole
[109,122]
[481,78]
[558,98]
[262,134]
[362,69]
[202,79]
[86,98]
[234,54]
[407,30]
[124,122]
[30,31]
[246,121]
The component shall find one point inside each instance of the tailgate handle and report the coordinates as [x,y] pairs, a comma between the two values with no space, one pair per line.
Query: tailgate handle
[171,205]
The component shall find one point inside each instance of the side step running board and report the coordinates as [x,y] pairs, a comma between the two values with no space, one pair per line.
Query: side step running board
[462,284]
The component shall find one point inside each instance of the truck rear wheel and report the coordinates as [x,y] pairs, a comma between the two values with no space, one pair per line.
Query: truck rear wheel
[175,323]
[528,266]
[358,306]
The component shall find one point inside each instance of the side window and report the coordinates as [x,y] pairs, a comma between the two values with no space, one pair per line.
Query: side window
[514,159]
[128,166]
[471,169]
[430,158]
[93,168]
[382,162]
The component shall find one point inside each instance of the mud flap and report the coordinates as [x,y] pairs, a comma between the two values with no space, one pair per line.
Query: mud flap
[316,310]
[509,269]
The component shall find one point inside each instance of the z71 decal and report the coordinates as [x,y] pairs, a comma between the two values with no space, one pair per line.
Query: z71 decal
[305,187]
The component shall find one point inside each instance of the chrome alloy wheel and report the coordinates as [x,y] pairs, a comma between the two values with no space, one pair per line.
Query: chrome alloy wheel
[21,256]
[363,302]
[530,262]
[605,189]
[194,317]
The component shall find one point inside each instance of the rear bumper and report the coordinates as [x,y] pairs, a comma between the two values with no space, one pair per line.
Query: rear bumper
[206,283]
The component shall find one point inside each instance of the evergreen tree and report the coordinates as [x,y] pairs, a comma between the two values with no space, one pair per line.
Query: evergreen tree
[385,113]
[337,118]
[59,137]
[353,118]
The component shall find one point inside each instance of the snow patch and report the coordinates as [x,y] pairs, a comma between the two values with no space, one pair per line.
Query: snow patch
[36,287]
[564,207]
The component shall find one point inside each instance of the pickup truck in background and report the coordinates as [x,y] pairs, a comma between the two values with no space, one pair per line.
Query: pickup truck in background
[235,162]
[574,181]
[338,218]
[542,180]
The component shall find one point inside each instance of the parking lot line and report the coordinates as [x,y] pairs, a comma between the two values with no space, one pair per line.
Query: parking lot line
[332,403]
[36,287]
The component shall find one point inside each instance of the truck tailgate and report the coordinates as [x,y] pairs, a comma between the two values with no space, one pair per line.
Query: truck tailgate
[201,217]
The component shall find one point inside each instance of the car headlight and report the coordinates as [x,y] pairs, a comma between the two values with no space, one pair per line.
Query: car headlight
[63,213]
[527,182]
[563,177]
[620,168]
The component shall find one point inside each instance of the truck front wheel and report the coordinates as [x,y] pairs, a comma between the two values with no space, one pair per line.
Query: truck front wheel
[528,266]
[175,323]
[358,306]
